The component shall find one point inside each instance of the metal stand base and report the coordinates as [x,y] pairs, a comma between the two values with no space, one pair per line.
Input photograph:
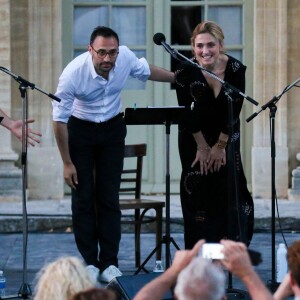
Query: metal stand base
[237,294]
[272,286]
[167,240]
[24,293]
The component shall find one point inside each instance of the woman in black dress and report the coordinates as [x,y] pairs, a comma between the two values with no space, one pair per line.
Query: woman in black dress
[209,176]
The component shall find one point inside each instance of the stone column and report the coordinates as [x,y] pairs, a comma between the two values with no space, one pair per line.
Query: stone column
[270,77]
[45,176]
[10,175]
[293,95]
[294,192]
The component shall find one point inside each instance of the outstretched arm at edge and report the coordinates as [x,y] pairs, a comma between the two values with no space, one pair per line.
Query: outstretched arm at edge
[15,127]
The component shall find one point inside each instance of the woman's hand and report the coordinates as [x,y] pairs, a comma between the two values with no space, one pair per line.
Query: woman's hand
[202,156]
[216,158]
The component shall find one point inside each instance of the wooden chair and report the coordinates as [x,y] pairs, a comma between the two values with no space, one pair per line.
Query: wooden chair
[131,182]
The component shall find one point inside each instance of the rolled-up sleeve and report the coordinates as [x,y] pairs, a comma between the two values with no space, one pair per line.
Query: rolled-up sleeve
[65,91]
[141,69]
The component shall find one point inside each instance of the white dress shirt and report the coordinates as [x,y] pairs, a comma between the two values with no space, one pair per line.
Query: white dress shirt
[87,95]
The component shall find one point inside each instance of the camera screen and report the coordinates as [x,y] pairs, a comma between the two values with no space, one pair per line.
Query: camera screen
[212,251]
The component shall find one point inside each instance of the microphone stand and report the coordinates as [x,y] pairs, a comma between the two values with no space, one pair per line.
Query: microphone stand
[25,289]
[26,84]
[272,284]
[229,90]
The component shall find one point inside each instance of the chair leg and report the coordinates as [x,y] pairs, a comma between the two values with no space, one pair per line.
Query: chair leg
[158,232]
[137,238]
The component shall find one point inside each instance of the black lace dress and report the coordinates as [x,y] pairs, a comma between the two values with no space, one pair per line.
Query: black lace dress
[217,205]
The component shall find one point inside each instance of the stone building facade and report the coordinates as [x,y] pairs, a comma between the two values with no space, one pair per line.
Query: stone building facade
[31,39]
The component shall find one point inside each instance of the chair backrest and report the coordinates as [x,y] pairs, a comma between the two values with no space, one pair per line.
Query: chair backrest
[131,179]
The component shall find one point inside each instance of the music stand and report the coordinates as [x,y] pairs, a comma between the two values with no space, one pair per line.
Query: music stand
[158,116]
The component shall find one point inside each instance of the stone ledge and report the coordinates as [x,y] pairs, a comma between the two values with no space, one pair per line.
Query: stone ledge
[64,224]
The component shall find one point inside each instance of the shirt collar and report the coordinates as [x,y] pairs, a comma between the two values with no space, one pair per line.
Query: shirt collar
[91,67]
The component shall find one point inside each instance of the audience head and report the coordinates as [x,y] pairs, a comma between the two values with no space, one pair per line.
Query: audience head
[293,258]
[201,279]
[95,294]
[61,279]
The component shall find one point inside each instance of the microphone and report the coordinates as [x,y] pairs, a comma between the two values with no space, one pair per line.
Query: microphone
[160,39]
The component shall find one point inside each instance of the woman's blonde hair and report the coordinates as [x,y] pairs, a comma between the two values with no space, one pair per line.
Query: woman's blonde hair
[61,279]
[209,27]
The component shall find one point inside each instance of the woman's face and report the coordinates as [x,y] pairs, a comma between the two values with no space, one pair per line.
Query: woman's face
[207,50]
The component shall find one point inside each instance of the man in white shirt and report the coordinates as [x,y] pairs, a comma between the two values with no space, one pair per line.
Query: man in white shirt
[90,133]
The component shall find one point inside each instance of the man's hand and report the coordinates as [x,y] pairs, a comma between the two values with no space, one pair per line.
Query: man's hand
[70,175]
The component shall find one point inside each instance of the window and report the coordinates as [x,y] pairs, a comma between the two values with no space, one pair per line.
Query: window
[127,18]
[185,15]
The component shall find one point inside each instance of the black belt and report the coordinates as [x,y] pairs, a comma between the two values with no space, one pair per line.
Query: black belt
[116,117]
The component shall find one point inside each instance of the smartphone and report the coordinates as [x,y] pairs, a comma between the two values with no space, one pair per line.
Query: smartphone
[212,251]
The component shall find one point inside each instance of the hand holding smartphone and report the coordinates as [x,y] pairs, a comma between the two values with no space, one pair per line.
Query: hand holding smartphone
[211,251]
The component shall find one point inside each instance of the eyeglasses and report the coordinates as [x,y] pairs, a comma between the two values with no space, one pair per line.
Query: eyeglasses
[101,53]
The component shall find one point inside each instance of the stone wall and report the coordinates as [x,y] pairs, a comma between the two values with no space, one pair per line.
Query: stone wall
[31,39]
[10,175]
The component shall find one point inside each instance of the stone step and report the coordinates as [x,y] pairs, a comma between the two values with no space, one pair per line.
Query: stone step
[60,223]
